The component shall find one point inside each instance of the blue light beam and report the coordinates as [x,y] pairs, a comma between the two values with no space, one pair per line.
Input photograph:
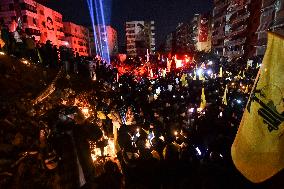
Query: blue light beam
[98,17]
[91,10]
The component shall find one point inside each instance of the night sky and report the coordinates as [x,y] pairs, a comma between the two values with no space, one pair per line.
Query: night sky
[166,13]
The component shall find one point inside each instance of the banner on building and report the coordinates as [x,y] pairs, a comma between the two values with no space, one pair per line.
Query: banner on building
[203,28]
[143,37]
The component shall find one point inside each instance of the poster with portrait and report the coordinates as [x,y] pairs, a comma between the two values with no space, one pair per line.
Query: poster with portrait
[50,26]
[142,37]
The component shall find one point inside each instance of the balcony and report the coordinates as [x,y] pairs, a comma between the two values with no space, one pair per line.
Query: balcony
[280,14]
[279,20]
[218,19]
[237,31]
[219,7]
[233,8]
[234,54]
[267,4]
[261,42]
[235,42]
[218,36]
[239,18]
[218,46]
[217,43]
[260,51]
[279,23]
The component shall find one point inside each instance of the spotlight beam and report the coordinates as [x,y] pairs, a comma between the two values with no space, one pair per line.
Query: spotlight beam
[91,10]
[96,9]
[104,26]
[99,28]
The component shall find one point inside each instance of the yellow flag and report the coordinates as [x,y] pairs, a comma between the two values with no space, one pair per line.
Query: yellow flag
[224,99]
[258,149]
[2,43]
[39,56]
[183,80]
[247,89]
[194,77]
[146,131]
[156,155]
[201,76]
[164,73]
[203,100]
[101,115]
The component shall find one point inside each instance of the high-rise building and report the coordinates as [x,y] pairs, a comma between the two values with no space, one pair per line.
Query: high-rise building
[140,36]
[183,38]
[37,20]
[234,28]
[271,19]
[219,22]
[189,37]
[242,21]
[194,30]
[77,37]
[104,39]
[170,43]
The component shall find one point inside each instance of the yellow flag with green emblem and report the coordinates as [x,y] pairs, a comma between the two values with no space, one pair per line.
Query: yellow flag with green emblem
[258,149]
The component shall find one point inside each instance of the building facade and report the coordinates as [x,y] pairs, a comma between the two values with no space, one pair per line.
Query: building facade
[170,43]
[242,21]
[104,39]
[218,26]
[234,28]
[140,36]
[37,20]
[271,19]
[77,38]
[183,40]
[190,37]
[50,26]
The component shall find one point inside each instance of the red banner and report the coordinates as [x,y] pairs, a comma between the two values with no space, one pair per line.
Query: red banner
[203,28]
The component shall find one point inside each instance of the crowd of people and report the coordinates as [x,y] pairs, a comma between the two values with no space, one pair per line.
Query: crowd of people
[172,127]
[166,138]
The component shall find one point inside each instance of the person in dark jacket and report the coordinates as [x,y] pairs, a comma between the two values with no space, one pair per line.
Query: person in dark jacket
[72,146]
[111,179]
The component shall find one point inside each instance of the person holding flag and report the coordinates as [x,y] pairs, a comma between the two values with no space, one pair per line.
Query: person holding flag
[258,149]
[203,100]
[224,99]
